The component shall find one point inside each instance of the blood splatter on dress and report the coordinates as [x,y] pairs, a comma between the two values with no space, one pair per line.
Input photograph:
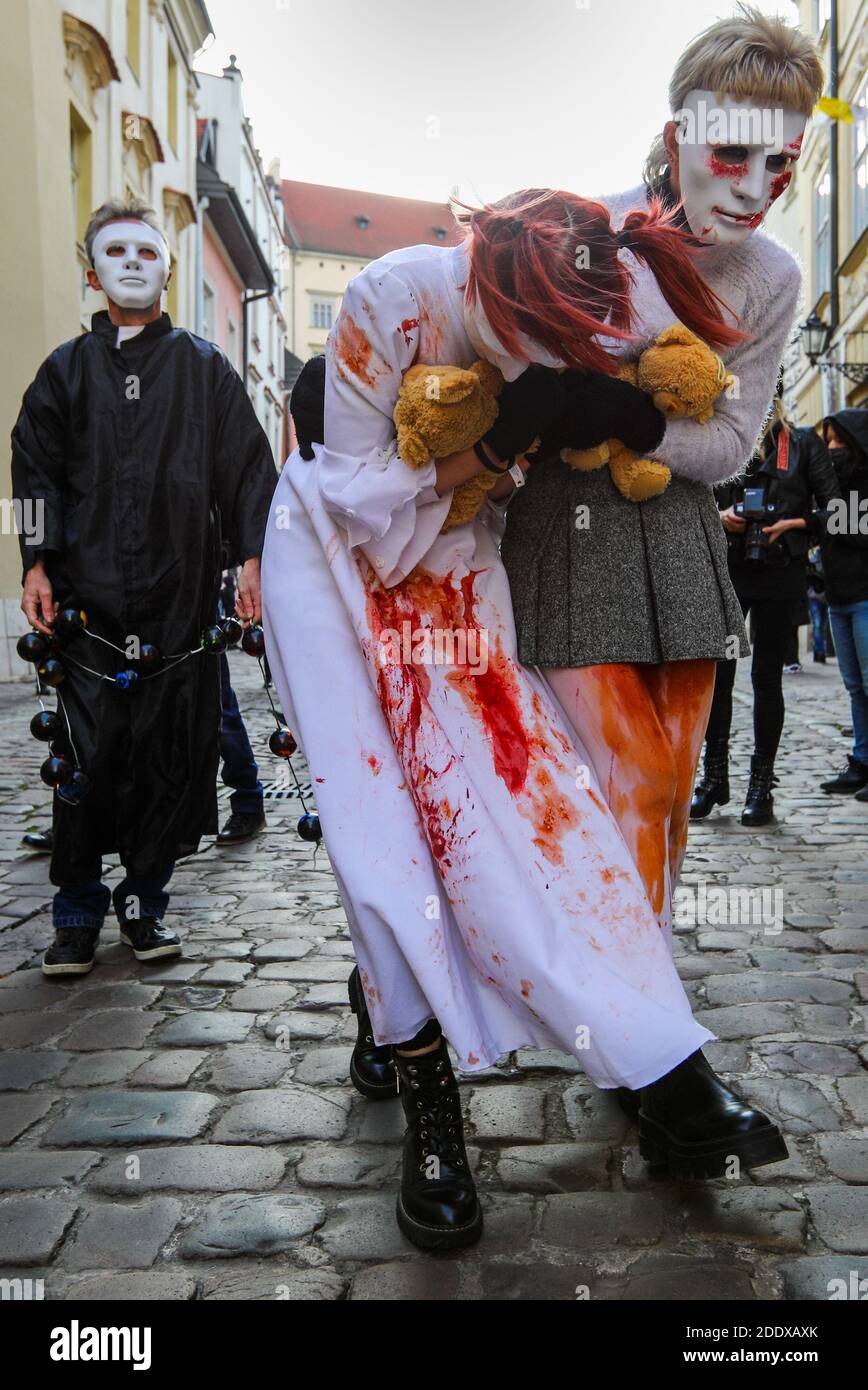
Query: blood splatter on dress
[484,879]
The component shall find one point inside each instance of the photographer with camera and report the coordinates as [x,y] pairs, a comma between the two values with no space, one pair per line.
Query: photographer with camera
[768,515]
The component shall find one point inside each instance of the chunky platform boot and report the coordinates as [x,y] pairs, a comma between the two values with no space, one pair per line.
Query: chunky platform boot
[712,789]
[372,1068]
[438,1208]
[694,1125]
[759,808]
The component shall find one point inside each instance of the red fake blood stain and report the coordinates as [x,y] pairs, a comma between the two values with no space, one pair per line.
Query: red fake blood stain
[779,184]
[432,326]
[721,170]
[492,694]
[405,327]
[524,754]
[374,764]
[319,779]
[353,351]
[526,988]
[795,147]
[472,1058]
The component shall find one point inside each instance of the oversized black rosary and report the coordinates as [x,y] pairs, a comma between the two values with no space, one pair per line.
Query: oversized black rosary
[49,655]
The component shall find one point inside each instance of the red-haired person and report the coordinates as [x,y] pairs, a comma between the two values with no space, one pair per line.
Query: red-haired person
[491,898]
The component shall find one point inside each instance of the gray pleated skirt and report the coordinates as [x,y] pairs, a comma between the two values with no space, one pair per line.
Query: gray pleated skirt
[631,582]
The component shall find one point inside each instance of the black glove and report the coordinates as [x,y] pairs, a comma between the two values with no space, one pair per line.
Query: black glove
[526,408]
[307,405]
[598,407]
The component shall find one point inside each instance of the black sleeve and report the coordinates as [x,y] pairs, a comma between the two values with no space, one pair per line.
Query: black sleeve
[39,465]
[244,472]
[823,485]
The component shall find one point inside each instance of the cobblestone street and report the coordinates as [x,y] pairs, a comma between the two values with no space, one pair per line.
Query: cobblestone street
[161,1139]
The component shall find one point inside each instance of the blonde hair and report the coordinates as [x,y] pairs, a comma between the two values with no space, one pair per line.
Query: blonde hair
[747,55]
[120,210]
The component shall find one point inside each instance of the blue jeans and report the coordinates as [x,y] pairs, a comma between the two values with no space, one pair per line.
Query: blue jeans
[818,609]
[239,765]
[850,633]
[86,904]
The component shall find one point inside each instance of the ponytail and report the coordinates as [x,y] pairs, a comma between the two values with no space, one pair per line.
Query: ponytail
[667,250]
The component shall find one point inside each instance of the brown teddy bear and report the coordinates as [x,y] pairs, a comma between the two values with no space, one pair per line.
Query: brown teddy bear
[442,410]
[684,377]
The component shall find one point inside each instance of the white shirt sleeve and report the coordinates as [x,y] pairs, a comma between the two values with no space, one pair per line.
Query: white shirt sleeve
[720,449]
[389,511]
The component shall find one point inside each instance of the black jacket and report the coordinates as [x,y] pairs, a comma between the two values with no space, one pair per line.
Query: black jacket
[844,542]
[144,458]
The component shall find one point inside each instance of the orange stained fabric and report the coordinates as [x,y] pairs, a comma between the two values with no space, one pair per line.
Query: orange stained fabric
[643,727]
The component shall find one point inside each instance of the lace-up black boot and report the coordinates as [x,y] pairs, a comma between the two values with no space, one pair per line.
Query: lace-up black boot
[372,1068]
[694,1125]
[437,1205]
[712,789]
[759,808]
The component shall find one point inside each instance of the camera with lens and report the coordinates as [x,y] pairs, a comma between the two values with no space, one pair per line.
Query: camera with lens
[758,512]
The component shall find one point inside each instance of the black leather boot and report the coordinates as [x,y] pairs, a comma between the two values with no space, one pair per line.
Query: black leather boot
[438,1208]
[759,808]
[852,777]
[694,1125]
[712,789]
[372,1068]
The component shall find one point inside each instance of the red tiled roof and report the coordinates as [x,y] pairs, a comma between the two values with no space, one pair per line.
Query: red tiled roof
[321,218]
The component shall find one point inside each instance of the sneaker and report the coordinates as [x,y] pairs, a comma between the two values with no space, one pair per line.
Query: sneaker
[71,952]
[150,939]
[241,827]
[793,669]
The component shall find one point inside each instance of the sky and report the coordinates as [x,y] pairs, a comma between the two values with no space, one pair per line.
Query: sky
[422,97]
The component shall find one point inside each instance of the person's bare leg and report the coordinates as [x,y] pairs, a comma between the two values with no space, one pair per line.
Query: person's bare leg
[613,711]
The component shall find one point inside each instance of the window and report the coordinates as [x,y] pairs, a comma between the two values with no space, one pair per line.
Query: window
[172,96]
[134,31]
[80,172]
[822,14]
[860,163]
[322,313]
[208,308]
[822,202]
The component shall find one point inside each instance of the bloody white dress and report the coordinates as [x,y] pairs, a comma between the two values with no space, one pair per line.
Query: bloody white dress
[484,879]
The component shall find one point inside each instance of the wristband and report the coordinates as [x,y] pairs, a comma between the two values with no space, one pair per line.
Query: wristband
[484,459]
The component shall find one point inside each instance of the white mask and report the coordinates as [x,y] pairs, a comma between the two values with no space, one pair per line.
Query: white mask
[735,158]
[489,346]
[131,261]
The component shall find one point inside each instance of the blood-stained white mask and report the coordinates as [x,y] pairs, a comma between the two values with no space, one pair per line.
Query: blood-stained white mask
[131,261]
[735,157]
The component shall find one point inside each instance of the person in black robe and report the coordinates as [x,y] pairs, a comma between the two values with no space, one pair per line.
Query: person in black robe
[138,443]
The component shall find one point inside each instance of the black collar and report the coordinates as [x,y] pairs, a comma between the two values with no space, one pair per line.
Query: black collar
[103,327]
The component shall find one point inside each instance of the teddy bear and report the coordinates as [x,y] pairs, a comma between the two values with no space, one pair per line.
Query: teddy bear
[684,377]
[441,411]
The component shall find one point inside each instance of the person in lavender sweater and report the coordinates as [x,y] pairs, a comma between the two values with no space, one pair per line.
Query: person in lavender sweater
[628,613]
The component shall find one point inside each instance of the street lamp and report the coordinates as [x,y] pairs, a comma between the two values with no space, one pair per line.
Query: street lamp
[815,337]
